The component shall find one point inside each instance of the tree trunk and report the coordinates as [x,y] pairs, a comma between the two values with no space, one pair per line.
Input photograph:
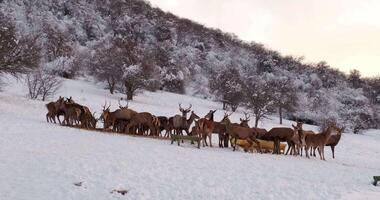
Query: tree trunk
[257,118]
[280,112]
[111,85]
[224,105]
[129,94]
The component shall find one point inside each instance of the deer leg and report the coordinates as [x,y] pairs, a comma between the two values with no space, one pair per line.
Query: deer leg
[307,151]
[333,149]
[289,146]
[209,137]
[320,153]
[258,144]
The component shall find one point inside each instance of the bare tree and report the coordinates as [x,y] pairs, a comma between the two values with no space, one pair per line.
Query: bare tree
[41,84]
[259,97]
[17,55]
[227,85]
[284,94]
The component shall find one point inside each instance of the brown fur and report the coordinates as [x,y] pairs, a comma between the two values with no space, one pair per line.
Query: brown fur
[318,141]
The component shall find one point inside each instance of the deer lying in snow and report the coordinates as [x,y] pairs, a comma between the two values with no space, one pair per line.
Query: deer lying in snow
[320,140]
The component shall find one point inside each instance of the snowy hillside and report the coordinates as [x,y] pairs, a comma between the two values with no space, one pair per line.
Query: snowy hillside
[43,161]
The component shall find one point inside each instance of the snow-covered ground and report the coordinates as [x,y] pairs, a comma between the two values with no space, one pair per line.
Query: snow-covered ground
[43,161]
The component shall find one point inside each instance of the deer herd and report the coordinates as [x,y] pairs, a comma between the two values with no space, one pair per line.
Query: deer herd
[128,121]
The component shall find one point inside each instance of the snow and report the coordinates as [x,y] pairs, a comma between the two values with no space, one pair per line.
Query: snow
[43,161]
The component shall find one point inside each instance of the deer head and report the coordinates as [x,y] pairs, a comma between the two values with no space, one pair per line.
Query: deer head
[226,119]
[210,115]
[184,111]
[299,125]
[105,114]
[246,120]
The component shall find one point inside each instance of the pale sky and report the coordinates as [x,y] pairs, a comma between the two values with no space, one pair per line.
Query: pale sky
[345,33]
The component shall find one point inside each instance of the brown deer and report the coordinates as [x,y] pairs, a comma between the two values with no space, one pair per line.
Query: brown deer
[88,120]
[238,132]
[334,140]
[110,118]
[180,122]
[164,124]
[303,134]
[52,112]
[205,129]
[244,122]
[319,141]
[220,129]
[72,111]
[278,135]
[143,119]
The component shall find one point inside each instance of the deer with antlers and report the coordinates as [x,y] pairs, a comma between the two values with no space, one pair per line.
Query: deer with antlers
[244,122]
[111,118]
[235,131]
[179,122]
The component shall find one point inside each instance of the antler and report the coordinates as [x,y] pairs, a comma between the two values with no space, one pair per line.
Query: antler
[105,104]
[188,109]
[180,108]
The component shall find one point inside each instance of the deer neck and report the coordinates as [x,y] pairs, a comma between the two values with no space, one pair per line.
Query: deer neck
[190,120]
[326,135]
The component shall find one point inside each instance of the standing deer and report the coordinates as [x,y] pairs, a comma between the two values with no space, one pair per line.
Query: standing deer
[319,141]
[143,119]
[164,124]
[111,118]
[278,135]
[180,122]
[238,132]
[72,111]
[54,111]
[206,127]
[334,140]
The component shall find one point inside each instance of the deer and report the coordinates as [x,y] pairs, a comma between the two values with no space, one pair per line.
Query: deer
[72,110]
[244,122]
[303,133]
[111,118]
[334,140]
[52,112]
[180,122]
[278,135]
[205,129]
[320,140]
[243,133]
[164,125]
[88,120]
[143,119]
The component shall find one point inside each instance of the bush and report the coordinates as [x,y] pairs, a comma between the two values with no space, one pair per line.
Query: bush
[41,84]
